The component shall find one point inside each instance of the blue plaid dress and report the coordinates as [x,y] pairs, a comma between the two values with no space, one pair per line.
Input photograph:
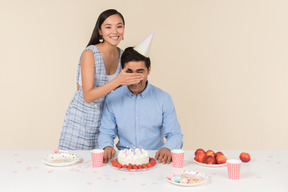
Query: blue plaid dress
[82,120]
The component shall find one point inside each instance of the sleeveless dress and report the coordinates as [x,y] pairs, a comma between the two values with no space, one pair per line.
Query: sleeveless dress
[82,120]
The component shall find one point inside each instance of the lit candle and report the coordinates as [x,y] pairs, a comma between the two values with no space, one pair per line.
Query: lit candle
[133,149]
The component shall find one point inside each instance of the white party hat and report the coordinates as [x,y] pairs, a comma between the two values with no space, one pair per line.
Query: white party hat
[144,47]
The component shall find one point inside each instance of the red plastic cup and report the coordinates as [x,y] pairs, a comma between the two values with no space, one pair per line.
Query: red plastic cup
[234,166]
[97,157]
[177,158]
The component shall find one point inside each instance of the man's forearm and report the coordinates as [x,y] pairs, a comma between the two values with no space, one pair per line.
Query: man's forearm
[174,141]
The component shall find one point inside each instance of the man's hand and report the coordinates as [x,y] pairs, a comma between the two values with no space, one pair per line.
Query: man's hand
[164,155]
[109,153]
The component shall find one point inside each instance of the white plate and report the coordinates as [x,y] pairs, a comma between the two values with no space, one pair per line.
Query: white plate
[204,177]
[131,170]
[61,159]
[210,165]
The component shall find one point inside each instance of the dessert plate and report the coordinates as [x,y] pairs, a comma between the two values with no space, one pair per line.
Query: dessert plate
[195,178]
[61,159]
[209,165]
[131,170]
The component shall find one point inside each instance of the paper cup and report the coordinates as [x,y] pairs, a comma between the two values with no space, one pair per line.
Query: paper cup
[97,157]
[177,158]
[233,166]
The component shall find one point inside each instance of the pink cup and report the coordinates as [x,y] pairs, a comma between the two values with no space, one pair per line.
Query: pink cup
[233,166]
[97,157]
[177,158]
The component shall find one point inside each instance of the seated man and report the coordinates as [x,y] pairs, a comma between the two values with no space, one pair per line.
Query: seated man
[139,114]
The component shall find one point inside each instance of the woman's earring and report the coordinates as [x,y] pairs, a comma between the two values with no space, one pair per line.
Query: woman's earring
[101,39]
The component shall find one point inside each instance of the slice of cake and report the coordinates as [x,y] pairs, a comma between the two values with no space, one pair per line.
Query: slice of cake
[133,156]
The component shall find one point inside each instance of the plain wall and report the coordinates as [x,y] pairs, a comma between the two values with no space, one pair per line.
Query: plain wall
[224,62]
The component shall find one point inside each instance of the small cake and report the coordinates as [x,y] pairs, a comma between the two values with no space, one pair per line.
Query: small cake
[133,156]
[187,177]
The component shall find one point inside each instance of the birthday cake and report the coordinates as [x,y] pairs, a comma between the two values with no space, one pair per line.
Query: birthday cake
[135,156]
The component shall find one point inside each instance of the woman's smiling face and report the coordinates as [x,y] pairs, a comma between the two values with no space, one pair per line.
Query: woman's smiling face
[112,30]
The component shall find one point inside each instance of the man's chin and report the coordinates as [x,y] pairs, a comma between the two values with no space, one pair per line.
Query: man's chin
[134,90]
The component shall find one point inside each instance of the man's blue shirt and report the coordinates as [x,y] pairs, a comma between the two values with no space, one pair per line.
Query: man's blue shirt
[143,120]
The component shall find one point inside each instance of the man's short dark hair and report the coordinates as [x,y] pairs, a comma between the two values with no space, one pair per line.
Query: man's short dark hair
[130,54]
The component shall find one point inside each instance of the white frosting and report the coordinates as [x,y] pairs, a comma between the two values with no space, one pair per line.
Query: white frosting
[133,156]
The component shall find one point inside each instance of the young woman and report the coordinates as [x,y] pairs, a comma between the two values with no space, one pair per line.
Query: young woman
[99,72]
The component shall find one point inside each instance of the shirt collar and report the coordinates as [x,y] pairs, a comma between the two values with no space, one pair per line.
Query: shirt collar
[143,94]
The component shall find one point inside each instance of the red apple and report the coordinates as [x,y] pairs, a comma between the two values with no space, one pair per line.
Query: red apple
[220,159]
[210,152]
[245,157]
[210,159]
[200,157]
[218,153]
[199,151]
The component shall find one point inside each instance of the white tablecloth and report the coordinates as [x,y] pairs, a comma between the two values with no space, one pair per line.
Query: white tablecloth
[23,171]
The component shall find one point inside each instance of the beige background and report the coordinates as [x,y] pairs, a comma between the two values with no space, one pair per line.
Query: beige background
[225,64]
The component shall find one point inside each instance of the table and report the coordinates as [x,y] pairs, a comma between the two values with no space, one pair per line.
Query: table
[23,171]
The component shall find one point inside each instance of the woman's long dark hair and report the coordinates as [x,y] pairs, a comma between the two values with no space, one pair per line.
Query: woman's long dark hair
[102,17]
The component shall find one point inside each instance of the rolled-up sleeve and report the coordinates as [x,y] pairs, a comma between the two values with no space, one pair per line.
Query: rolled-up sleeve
[171,126]
[108,127]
